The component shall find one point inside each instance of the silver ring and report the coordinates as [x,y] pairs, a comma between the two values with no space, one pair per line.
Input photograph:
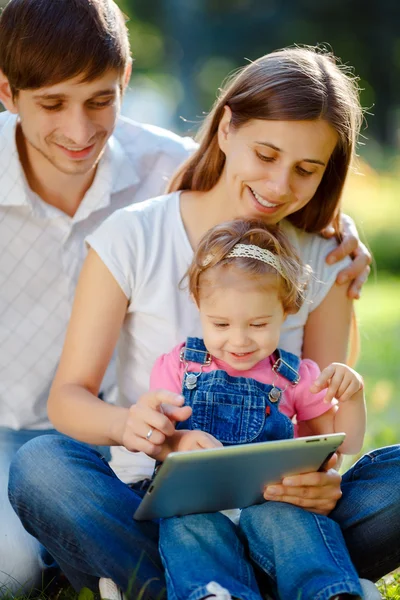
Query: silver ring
[149,433]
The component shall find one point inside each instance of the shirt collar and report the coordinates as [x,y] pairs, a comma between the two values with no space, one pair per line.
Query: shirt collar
[115,172]
[13,186]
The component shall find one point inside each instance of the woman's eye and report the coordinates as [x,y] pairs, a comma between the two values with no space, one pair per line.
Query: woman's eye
[265,158]
[304,172]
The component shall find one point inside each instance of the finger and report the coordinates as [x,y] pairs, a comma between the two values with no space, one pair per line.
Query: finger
[323,507]
[355,288]
[348,245]
[330,465]
[325,376]
[328,232]
[177,413]
[157,398]
[327,478]
[154,419]
[359,268]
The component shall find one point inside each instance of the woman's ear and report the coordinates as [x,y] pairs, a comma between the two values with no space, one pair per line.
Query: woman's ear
[224,128]
[194,300]
[6,95]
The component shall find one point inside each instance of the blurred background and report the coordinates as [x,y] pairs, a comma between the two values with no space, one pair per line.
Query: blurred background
[183,49]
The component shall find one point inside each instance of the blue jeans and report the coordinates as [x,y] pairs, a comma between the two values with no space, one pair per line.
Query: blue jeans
[68,497]
[20,560]
[302,553]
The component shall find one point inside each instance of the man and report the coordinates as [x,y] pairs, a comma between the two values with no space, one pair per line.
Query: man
[67,161]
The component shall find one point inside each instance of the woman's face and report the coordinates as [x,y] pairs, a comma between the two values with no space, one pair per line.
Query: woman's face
[273,168]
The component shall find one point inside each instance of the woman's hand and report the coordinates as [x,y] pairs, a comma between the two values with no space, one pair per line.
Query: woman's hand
[316,492]
[151,420]
[342,382]
[357,273]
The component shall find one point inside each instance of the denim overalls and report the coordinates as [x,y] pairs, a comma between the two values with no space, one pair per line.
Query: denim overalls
[235,410]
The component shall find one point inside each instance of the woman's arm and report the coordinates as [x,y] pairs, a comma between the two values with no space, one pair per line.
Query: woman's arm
[98,313]
[327,331]
[326,337]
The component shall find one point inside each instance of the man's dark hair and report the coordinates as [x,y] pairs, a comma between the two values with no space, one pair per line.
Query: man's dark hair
[44,42]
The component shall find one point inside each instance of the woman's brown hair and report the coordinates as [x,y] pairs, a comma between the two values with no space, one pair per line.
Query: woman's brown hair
[294,84]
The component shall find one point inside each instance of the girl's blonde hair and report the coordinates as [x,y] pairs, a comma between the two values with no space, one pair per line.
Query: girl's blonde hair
[293,84]
[212,255]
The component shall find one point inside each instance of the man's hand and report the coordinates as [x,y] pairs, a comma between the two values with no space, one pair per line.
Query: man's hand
[357,273]
[151,420]
[315,492]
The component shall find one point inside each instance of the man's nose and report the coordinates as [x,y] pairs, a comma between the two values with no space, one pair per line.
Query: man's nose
[79,128]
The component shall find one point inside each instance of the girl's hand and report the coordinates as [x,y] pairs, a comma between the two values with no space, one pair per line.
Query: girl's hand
[315,492]
[185,440]
[195,440]
[342,383]
[357,273]
[151,420]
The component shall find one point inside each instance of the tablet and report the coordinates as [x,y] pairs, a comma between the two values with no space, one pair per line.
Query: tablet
[230,477]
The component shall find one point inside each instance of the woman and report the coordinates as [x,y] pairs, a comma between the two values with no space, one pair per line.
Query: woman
[277,145]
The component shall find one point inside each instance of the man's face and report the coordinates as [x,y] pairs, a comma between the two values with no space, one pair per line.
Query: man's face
[67,125]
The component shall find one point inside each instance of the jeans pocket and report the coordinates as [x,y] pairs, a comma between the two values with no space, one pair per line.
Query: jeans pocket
[231,418]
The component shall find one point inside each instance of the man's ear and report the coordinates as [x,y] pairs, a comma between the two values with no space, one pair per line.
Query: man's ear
[127,75]
[6,95]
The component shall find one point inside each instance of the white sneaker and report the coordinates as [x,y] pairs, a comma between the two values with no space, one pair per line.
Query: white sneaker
[217,591]
[370,591]
[109,590]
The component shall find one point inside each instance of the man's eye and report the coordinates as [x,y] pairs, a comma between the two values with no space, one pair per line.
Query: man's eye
[51,106]
[102,104]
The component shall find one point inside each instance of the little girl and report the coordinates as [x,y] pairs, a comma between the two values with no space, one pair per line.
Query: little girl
[245,279]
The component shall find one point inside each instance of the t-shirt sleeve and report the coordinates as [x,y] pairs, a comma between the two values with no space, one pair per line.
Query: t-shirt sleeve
[115,242]
[167,373]
[323,276]
[306,404]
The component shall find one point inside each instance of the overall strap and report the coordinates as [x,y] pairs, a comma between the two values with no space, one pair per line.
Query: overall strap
[287,365]
[195,351]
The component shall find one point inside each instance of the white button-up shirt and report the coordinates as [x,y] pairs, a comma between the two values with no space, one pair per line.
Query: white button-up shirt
[42,250]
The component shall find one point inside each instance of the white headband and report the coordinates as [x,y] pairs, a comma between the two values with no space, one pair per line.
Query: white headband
[251,251]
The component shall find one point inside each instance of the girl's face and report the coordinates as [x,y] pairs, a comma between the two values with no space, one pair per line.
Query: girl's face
[273,168]
[241,319]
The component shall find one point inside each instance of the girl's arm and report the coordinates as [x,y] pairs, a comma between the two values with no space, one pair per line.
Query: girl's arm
[74,408]
[349,415]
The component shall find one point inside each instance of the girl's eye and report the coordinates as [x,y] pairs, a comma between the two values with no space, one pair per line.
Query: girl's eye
[304,172]
[259,325]
[220,325]
[264,158]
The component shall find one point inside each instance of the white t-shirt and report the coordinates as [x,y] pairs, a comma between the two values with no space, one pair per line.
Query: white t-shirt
[147,250]
[42,250]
